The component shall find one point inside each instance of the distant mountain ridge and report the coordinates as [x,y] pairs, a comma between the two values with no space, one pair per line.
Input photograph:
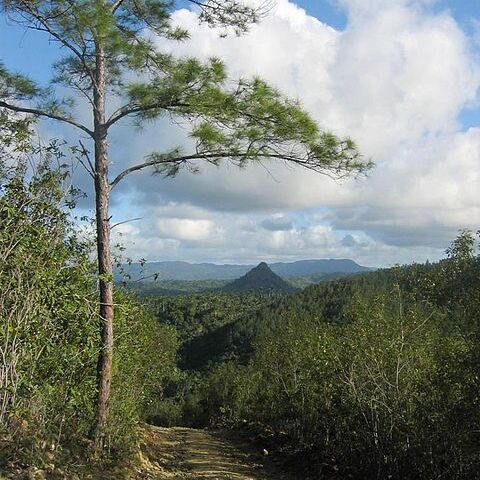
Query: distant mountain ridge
[260,278]
[177,270]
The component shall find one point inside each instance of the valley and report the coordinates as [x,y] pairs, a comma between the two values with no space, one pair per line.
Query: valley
[181,278]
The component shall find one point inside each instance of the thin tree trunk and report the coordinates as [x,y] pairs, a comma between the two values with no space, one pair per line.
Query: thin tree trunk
[102,194]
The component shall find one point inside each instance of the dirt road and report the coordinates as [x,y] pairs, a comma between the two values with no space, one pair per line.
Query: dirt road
[189,454]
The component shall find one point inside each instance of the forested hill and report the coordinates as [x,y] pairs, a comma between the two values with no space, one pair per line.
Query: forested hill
[229,329]
[328,301]
[260,278]
[235,340]
[211,271]
[397,347]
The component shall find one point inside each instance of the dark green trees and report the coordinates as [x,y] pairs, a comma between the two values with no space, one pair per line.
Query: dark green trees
[374,376]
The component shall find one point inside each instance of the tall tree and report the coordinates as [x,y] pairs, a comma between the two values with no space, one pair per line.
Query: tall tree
[110,58]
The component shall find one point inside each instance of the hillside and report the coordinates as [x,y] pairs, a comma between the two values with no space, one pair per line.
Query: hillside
[171,288]
[328,300]
[313,267]
[260,278]
[234,340]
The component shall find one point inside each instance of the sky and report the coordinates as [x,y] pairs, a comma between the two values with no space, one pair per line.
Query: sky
[400,77]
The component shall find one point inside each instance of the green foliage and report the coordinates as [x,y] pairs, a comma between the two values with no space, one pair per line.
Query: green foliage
[373,398]
[373,376]
[200,321]
[14,138]
[231,14]
[240,122]
[196,315]
[14,85]
[462,248]
[48,323]
[249,122]
[161,288]
[145,358]
[49,333]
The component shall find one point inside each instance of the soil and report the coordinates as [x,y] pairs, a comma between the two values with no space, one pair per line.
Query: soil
[191,454]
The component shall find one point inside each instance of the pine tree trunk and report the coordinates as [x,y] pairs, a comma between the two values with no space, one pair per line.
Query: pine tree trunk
[102,194]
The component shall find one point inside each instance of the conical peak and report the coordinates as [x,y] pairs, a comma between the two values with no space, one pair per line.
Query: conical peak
[259,278]
[263,266]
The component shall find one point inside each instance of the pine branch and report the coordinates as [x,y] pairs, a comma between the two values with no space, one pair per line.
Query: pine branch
[306,162]
[127,110]
[41,113]
[45,27]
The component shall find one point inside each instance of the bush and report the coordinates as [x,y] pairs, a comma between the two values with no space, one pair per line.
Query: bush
[48,324]
[49,332]
[144,359]
[390,394]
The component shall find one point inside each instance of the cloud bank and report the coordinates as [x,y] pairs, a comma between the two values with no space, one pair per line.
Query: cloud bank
[395,80]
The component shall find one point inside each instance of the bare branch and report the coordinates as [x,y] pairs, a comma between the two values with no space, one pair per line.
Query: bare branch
[86,168]
[210,157]
[86,154]
[117,5]
[41,113]
[126,221]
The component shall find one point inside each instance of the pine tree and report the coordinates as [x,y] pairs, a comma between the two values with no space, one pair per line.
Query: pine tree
[108,44]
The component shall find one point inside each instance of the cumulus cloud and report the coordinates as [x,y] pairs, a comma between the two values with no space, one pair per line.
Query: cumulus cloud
[184,229]
[396,80]
[196,234]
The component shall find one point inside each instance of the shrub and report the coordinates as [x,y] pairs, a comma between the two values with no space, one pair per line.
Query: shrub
[49,332]
[390,394]
[48,324]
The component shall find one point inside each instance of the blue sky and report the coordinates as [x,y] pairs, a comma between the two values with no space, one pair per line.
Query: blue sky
[32,52]
[326,11]
[400,76]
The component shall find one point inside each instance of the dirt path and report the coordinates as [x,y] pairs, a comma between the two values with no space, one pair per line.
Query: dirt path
[188,454]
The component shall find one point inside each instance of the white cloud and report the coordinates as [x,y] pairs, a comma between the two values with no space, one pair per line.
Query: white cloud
[395,80]
[185,229]
[241,238]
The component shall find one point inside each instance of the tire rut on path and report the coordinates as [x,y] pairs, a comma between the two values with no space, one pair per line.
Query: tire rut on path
[190,454]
